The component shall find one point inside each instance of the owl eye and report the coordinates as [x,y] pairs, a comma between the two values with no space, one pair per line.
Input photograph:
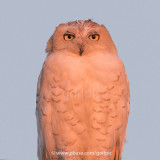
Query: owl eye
[94,37]
[68,37]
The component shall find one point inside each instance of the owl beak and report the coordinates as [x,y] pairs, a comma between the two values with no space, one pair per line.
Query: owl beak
[81,50]
[80,46]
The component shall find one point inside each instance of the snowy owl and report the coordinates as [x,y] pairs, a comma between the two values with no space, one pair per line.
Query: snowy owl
[83,97]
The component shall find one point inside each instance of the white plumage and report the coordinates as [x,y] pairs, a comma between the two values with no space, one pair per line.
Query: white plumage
[82,95]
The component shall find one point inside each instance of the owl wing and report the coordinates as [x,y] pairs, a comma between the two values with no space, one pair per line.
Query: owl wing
[120,112]
[46,142]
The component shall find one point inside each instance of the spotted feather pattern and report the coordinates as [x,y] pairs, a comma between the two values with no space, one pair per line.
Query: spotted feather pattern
[82,106]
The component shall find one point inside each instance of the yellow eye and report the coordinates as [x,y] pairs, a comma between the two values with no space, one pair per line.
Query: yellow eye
[68,37]
[94,37]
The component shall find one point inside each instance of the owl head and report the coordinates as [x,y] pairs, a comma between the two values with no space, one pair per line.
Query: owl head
[81,38]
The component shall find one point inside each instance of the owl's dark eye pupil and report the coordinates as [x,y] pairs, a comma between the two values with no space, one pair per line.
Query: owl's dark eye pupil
[93,37]
[69,37]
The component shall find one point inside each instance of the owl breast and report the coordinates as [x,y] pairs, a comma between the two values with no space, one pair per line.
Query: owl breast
[84,99]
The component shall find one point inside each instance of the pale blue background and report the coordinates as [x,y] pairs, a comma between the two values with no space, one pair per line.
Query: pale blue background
[25,27]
